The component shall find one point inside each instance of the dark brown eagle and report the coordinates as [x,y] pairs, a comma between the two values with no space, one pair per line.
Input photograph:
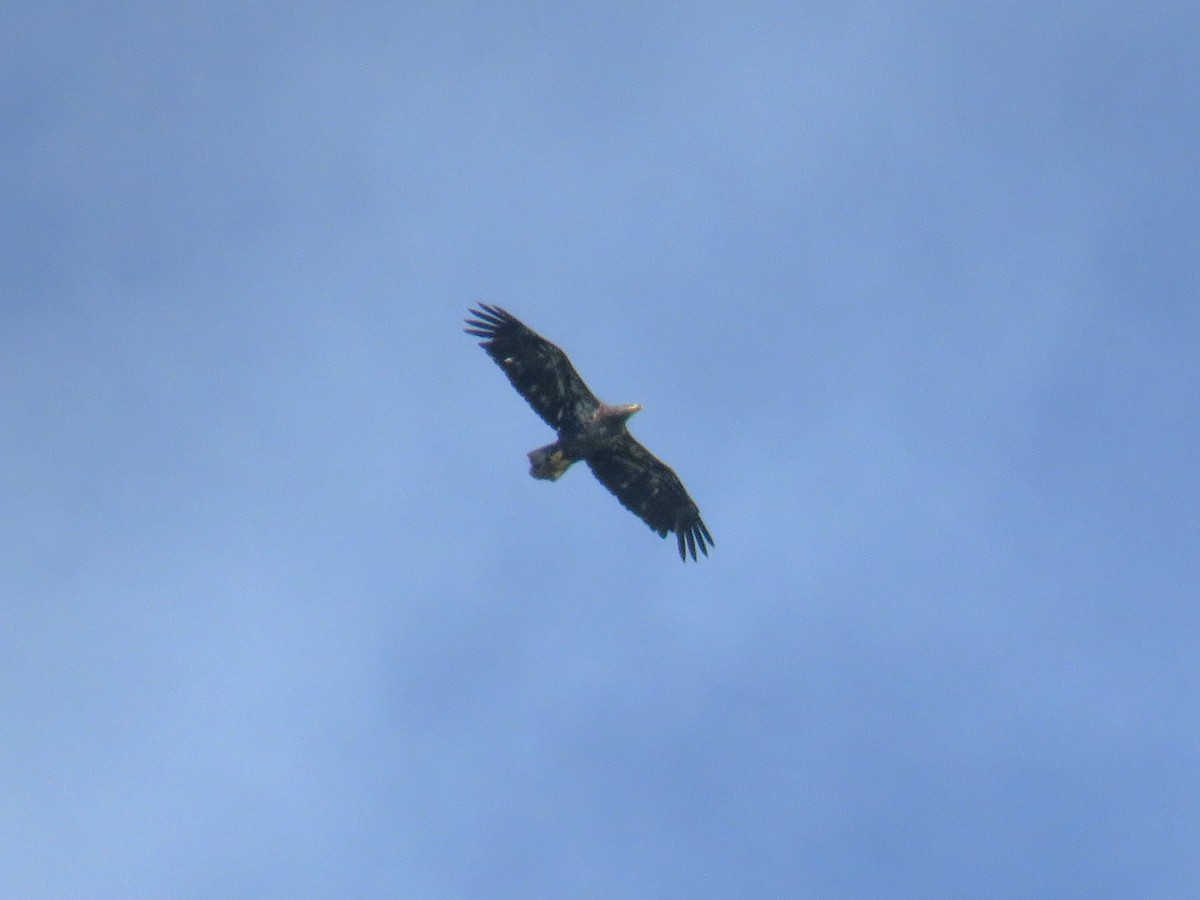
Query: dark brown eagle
[589,430]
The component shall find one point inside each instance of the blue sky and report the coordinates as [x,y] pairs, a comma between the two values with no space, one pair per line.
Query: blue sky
[909,293]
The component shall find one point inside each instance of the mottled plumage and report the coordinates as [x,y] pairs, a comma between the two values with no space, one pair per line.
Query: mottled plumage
[589,430]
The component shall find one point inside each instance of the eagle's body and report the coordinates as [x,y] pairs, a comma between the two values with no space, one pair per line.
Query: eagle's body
[588,430]
[596,431]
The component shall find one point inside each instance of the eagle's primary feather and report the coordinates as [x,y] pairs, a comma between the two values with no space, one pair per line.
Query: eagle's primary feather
[589,430]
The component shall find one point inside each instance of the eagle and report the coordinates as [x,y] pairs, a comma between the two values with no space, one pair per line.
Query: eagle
[588,430]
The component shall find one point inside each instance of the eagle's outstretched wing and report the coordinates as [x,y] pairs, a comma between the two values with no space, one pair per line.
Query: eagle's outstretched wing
[647,487]
[539,371]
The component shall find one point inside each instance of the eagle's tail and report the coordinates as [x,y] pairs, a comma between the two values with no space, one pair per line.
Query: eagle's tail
[548,462]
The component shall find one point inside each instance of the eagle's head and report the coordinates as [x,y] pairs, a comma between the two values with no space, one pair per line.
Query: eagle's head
[613,417]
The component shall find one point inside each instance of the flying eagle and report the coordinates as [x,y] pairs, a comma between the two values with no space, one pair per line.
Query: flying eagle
[589,430]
